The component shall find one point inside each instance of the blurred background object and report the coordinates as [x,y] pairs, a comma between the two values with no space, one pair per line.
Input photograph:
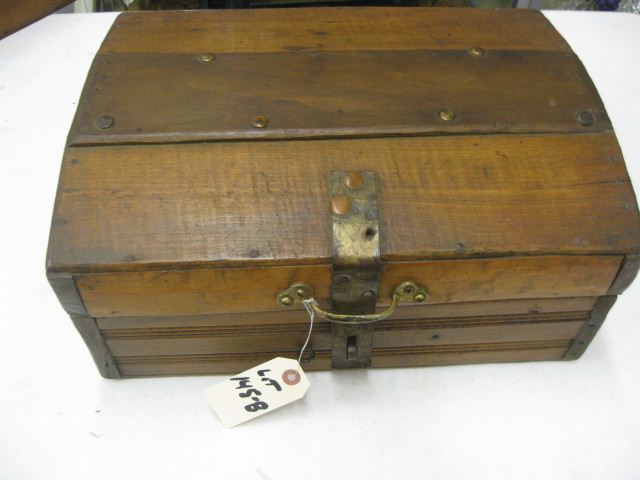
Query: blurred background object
[602,5]
[16,14]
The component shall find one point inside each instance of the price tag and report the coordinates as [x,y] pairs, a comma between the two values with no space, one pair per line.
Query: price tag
[257,391]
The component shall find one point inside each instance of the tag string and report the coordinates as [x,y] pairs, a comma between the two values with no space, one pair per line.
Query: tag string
[312,315]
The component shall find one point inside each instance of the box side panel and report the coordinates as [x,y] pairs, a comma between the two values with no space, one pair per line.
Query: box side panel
[65,288]
[331,29]
[169,98]
[266,203]
[416,342]
[420,341]
[255,290]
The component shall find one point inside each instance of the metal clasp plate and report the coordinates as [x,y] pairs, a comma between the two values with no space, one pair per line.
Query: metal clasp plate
[356,263]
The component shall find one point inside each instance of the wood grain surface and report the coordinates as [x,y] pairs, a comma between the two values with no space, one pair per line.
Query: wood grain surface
[399,334]
[266,203]
[180,215]
[333,94]
[150,293]
[297,319]
[16,14]
[382,358]
[331,29]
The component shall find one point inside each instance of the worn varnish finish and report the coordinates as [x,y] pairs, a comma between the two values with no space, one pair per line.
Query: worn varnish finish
[177,204]
[331,29]
[193,187]
[345,102]
[254,289]
[292,319]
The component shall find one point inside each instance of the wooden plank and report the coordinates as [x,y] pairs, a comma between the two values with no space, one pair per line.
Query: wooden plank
[542,307]
[626,275]
[254,289]
[331,29]
[392,336]
[266,203]
[428,356]
[586,334]
[16,14]
[100,352]
[160,98]
[64,286]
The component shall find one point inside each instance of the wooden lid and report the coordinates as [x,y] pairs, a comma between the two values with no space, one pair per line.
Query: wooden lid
[485,131]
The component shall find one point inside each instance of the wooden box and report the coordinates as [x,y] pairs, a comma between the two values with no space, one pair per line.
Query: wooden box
[224,166]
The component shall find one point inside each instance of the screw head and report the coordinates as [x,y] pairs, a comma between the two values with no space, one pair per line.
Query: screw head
[301,292]
[104,122]
[585,118]
[354,180]
[286,300]
[206,57]
[340,205]
[419,297]
[447,115]
[477,51]
[259,121]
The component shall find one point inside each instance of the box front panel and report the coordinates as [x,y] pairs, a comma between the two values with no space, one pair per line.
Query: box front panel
[519,330]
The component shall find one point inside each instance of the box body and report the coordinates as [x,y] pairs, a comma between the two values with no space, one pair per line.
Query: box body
[193,187]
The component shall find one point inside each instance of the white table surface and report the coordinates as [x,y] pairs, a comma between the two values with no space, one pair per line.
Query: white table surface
[60,420]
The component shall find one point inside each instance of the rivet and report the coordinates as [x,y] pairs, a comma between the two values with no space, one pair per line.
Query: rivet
[477,51]
[585,118]
[447,115]
[340,205]
[259,121]
[206,57]
[301,292]
[105,121]
[286,300]
[354,180]
[419,297]
[368,294]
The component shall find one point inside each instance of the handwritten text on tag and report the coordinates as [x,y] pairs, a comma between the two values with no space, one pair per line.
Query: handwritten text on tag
[257,391]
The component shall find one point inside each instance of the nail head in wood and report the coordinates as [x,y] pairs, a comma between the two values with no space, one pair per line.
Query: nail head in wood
[105,121]
[447,115]
[259,121]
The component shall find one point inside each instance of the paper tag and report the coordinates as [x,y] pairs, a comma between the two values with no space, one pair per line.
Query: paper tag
[257,391]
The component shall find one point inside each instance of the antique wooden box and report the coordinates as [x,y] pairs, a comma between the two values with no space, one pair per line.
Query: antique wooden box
[225,166]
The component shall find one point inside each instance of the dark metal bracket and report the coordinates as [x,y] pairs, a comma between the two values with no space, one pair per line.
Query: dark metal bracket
[356,263]
[355,272]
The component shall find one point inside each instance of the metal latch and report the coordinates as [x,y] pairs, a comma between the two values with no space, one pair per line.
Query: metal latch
[356,268]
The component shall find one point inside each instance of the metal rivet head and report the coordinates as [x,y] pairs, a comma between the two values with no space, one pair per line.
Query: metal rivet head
[301,292]
[585,118]
[286,300]
[447,115]
[340,205]
[259,121]
[206,57]
[368,294]
[105,121]
[419,297]
[354,180]
[477,51]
